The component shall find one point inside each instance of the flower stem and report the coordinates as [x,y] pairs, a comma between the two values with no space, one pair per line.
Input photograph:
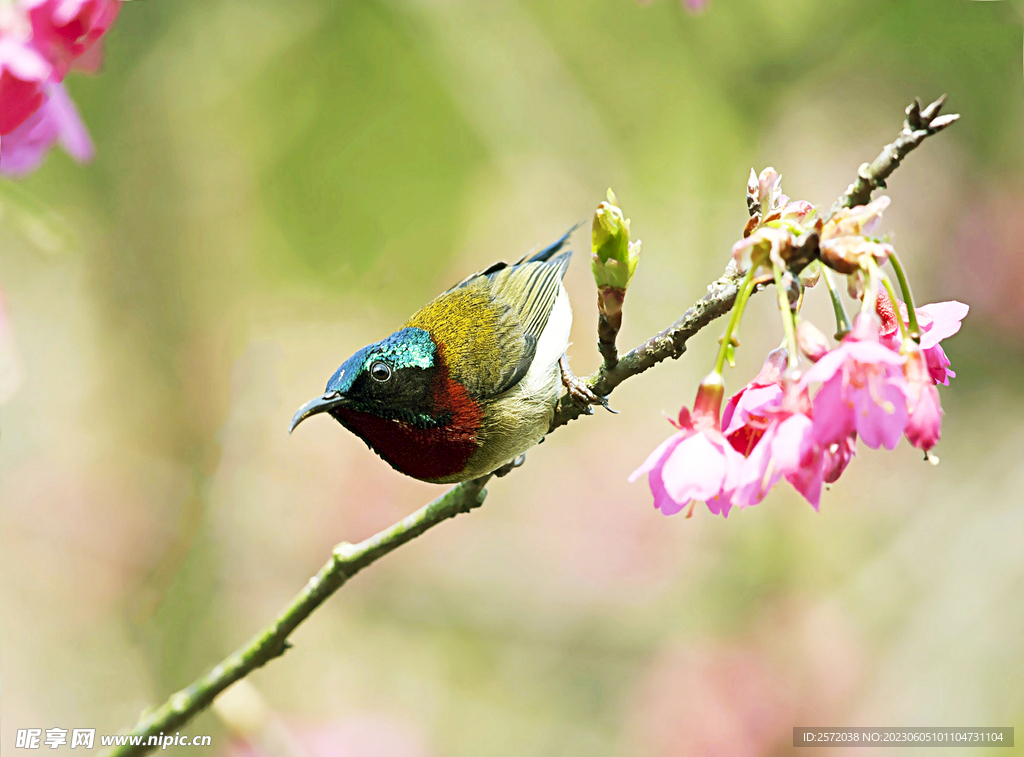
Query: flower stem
[908,298]
[843,326]
[788,323]
[870,302]
[746,287]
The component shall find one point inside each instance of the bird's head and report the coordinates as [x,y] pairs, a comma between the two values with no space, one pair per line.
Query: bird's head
[392,379]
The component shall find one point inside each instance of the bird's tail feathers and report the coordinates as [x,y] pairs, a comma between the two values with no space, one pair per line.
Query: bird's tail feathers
[548,252]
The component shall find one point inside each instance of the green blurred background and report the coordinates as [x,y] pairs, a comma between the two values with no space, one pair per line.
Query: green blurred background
[278,184]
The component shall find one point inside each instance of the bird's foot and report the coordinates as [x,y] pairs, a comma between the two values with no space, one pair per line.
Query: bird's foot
[578,389]
[510,466]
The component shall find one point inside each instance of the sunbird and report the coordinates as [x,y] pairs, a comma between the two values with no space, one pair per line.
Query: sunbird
[471,381]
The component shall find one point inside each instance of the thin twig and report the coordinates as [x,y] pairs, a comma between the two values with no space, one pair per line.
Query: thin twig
[606,334]
[669,343]
[348,559]
[920,124]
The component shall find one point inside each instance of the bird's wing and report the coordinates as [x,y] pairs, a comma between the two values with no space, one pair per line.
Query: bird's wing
[487,326]
[545,254]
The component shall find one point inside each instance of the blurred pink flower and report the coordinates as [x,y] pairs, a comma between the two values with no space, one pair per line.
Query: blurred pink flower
[23,72]
[363,735]
[990,238]
[713,701]
[64,30]
[56,121]
[695,6]
[862,390]
[40,40]
[696,463]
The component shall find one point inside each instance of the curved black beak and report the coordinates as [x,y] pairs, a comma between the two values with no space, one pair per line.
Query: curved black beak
[323,404]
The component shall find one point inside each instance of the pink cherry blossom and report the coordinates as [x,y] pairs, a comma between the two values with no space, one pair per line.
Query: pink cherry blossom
[862,390]
[940,320]
[924,426]
[64,30]
[56,121]
[744,419]
[695,463]
[937,321]
[786,449]
[768,421]
[23,72]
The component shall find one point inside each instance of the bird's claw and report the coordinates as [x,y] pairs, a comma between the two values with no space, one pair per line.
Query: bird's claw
[510,466]
[578,389]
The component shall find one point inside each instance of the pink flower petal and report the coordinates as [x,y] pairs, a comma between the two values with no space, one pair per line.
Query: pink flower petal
[22,74]
[793,440]
[826,367]
[751,401]
[938,364]
[880,412]
[756,474]
[695,469]
[833,413]
[64,30]
[662,500]
[924,427]
[808,479]
[656,458]
[866,352]
[57,120]
[837,456]
[945,317]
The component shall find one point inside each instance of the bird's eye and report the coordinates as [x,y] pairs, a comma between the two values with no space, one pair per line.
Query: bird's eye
[380,371]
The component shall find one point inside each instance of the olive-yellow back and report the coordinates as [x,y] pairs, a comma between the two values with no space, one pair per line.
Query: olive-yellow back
[488,326]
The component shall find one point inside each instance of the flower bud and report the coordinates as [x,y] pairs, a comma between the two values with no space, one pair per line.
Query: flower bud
[810,274]
[708,405]
[811,341]
[614,258]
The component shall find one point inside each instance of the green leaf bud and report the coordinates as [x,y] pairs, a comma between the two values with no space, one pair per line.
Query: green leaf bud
[614,258]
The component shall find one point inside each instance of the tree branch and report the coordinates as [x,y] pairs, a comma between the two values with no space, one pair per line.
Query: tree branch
[920,124]
[606,335]
[669,343]
[348,559]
